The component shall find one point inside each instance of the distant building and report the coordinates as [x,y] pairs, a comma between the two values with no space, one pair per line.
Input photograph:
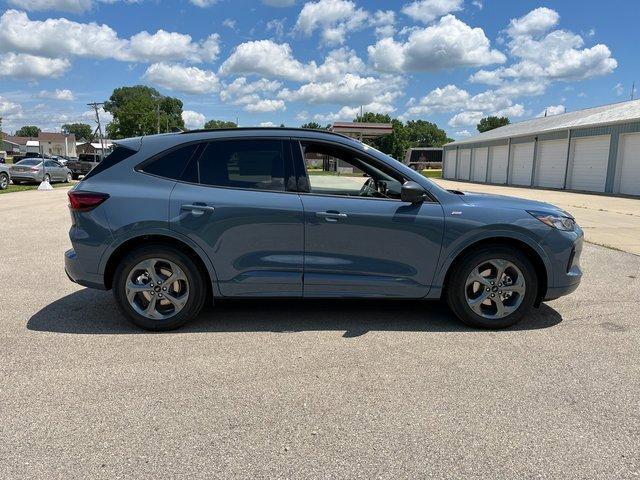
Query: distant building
[361,130]
[592,150]
[94,147]
[49,143]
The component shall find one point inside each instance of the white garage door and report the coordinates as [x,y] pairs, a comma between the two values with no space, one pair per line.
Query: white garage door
[589,163]
[630,169]
[499,163]
[522,163]
[552,161]
[450,164]
[464,164]
[480,164]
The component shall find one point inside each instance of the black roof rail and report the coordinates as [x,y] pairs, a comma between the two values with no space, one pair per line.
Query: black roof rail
[279,129]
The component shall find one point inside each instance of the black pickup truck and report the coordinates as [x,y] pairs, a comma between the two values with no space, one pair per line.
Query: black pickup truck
[83,164]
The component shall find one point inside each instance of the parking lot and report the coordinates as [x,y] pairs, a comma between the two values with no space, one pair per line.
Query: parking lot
[309,390]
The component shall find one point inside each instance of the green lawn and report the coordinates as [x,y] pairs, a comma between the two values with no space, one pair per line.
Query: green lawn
[432,173]
[20,188]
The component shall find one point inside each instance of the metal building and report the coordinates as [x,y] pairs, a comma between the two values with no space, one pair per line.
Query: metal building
[592,150]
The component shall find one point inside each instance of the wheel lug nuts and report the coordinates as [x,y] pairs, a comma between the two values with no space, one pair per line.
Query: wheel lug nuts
[493,295]
[159,294]
[488,289]
[153,293]
[164,288]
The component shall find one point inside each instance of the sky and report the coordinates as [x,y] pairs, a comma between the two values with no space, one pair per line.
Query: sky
[267,62]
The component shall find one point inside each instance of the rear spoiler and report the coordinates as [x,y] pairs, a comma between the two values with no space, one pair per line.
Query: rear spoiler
[134,143]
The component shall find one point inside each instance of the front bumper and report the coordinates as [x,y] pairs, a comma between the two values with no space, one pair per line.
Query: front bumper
[76,273]
[567,272]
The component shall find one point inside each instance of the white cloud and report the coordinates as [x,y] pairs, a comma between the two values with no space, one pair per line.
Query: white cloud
[61,38]
[619,89]
[193,120]
[466,118]
[535,22]
[552,110]
[334,19]
[241,91]
[71,6]
[271,59]
[426,11]
[279,3]
[267,124]
[9,108]
[383,21]
[229,23]
[347,113]
[265,105]
[31,66]
[463,133]
[203,3]
[57,94]
[183,79]
[450,43]
[277,26]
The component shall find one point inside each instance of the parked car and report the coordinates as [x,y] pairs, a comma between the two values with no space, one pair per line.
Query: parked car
[168,221]
[30,170]
[83,164]
[5,176]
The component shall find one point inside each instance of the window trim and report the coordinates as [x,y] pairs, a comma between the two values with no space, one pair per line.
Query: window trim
[367,158]
[139,168]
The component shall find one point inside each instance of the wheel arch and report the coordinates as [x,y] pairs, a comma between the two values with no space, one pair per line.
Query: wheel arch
[534,254]
[158,239]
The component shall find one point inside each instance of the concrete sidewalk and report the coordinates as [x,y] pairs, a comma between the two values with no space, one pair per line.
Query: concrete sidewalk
[610,221]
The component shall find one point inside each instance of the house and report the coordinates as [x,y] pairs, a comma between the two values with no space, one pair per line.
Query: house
[53,143]
[94,147]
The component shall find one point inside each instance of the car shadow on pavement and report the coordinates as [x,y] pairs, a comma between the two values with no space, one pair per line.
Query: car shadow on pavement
[94,312]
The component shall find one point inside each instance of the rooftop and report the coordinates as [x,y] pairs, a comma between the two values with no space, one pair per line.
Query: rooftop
[605,114]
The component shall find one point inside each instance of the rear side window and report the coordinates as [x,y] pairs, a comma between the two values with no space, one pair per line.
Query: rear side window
[119,154]
[171,164]
[254,164]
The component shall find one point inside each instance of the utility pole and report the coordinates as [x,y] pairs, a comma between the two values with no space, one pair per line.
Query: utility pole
[633,90]
[158,116]
[96,106]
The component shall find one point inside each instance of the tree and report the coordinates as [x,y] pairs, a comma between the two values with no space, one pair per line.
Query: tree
[489,123]
[217,124]
[312,126]
[80,130]
[28,131]
[142,110]
[421,133]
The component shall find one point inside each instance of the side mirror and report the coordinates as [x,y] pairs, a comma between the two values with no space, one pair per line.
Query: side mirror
[412,192]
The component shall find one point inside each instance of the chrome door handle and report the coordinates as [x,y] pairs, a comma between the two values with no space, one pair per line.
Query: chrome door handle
[197,210]
[331,216]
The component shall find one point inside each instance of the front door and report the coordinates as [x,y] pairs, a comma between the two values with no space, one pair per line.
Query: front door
[233,202]
[360,238]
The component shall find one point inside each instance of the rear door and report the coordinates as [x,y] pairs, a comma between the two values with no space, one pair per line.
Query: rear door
[361,240]
[233,201]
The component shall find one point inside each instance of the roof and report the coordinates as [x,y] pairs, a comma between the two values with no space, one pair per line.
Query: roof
[606,114]
[15,140]
[55,137]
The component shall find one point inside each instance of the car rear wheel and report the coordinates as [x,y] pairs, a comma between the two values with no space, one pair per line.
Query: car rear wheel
[4,181]
[15,182]
[69,177]
[492,287]
[159,288]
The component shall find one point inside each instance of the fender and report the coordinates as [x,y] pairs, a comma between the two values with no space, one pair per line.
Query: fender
[165,232]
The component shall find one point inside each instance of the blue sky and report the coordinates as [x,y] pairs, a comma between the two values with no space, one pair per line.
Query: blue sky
[291,61]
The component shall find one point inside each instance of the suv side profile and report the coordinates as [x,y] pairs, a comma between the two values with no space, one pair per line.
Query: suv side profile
[170,221]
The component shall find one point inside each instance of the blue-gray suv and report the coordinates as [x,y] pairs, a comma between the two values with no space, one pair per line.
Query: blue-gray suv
[170,221]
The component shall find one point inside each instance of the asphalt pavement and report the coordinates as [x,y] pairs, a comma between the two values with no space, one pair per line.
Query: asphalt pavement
[308,390]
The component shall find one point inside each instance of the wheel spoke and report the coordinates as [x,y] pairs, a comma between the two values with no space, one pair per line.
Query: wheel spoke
[151,311]
[501,266]
[178,302]
[135,288]
[500,307]
[518,287]
[175,276]
[477,277]
[476,303]
[150,267]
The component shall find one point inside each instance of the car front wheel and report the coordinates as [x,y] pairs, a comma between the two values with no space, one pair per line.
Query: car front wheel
[492,287]
[159,288]
[4,181]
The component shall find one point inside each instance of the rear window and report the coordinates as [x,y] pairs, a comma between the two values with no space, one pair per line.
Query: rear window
[29,162]
[171,164]
[118,155]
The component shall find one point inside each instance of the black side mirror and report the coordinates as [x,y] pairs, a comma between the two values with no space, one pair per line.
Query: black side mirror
[412,192]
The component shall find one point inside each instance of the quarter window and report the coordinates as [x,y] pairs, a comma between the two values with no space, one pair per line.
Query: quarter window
[172,164]
[254,164]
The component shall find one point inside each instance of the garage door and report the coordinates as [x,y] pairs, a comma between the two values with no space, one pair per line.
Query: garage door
[499,163]
[589,163]
[464,164]
[630,168]
[480,164]
[450,164]
[552,162]
[522,163]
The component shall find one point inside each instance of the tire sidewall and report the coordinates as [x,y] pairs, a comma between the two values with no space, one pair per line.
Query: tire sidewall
[197,287]
[456,291]
[4,181]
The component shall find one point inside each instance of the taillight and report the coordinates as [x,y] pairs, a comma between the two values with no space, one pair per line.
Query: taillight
[85,201]
[35,169]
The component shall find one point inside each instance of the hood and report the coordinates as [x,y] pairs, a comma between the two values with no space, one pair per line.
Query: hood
[488,200]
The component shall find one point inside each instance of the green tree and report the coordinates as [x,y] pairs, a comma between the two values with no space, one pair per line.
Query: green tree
[217,124]
[421,133]
[489,123]
[370,117]
[80,130]
[312,126]
[142,110]
[28,131]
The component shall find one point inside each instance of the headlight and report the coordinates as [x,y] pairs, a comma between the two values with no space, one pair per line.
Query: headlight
[555,220]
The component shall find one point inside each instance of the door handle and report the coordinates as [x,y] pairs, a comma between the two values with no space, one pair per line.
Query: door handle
[197,210]
[331,216]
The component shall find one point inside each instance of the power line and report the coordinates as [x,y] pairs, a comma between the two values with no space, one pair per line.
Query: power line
[96,106]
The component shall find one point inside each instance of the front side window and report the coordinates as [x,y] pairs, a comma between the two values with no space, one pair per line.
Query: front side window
[333,170]
[253,164]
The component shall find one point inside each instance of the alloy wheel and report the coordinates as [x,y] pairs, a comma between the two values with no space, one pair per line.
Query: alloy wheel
[495,288]
[157,288]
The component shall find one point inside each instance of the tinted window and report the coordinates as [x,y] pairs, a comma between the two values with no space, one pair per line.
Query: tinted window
[171,164]
[257,164]
[118,155]
[30,162]
[51,164]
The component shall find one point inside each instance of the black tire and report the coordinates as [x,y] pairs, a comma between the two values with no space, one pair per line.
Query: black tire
[16,182]
[75,176]
[197,287]
[455,289]
[4,181]
[69,178]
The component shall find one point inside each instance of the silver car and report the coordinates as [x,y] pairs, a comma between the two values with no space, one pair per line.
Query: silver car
[31,170]
[5,176]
